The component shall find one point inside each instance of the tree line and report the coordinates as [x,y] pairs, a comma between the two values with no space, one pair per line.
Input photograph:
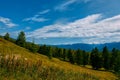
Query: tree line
[109,60]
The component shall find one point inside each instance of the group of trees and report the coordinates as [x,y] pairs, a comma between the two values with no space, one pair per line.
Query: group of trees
[21,41]
[105,59]
[110,60]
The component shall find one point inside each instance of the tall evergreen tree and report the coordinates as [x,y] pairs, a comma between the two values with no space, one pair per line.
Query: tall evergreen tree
[79,57]
[64,54]
[21,40]
[117,63]
[50,52]
[71,56]
[43,50]
[85,57]
[113,58]
[60,53]
[7,36]
[96,59]
[106,58]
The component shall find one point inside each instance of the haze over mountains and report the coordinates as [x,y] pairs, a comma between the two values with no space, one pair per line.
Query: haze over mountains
[89,47]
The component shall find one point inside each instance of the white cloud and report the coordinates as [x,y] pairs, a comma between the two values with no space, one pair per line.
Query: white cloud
[92,29]
[37,17]
[7,22]
[45,11]
[67,3]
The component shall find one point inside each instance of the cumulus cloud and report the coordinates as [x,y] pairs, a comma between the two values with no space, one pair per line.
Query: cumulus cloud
[7,22]
[92,29]
[37,17]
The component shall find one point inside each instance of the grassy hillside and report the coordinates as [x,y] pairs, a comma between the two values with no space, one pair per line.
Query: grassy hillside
[17,63]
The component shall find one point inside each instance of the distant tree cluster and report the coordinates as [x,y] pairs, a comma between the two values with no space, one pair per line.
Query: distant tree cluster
[109,60]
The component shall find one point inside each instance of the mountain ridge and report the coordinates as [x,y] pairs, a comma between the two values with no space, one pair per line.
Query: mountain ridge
[89,47]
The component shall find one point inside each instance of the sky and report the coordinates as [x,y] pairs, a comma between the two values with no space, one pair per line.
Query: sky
[62,21]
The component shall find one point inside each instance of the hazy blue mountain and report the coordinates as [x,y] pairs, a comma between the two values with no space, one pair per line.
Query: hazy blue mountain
[89,47]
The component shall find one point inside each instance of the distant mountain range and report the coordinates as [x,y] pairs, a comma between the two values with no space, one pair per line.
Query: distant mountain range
[89,47]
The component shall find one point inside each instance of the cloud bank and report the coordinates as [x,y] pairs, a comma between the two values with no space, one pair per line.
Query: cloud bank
[91,29]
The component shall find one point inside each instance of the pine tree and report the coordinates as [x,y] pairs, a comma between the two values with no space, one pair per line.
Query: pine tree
[79,57]
[50,52]
[7,36]
[106,58]
[117,63]
[43,50]
[21,40]
[60,53]
[71,56]
[85,58]
[64,54]
[113,58]
[96,59]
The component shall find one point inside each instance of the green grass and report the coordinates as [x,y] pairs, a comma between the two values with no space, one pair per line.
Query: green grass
[17,63]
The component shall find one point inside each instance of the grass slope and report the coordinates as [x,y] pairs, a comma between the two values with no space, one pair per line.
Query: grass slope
[49,69]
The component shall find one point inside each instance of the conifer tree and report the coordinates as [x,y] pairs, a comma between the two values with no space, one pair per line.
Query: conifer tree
[96,59]
[71,56]
[64,54]
[7,36]
[43,50]
[79,57]
[113,58]
[21,40]
[106,58]
[50,52]
[117,63]
[85,57]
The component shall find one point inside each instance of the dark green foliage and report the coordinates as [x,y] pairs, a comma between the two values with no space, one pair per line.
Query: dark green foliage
[21,40]
[115,60]
[64,55]
[55,49]
[71,56]
[7,36]
[79,57]
[56,52]
[34,47]
[106,58]
[85,58]
[114,54]
[50,52]
[117,64]
[96,59]
[1,36]
[43,50]
[46,50]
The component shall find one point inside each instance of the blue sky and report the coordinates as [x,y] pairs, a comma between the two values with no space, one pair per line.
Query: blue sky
[62,21]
